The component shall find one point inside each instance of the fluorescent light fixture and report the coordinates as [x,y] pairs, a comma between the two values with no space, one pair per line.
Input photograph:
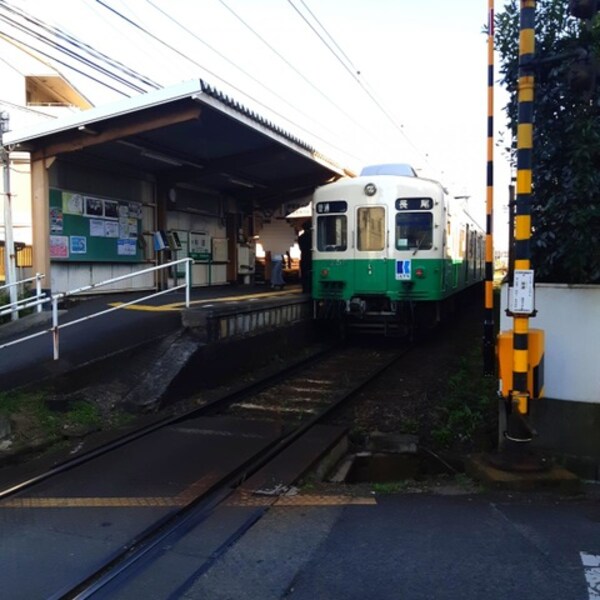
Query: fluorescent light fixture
[161,158]
[246,184]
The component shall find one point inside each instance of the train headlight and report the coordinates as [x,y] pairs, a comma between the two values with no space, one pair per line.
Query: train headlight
[420,273]
[324,273]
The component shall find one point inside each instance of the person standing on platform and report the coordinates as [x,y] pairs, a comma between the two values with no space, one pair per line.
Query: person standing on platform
[277,281]
[305,244]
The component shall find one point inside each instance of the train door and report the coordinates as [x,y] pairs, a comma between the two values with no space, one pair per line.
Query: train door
[370,249]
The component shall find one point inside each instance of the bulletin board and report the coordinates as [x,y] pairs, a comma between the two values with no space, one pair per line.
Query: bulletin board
[86,228]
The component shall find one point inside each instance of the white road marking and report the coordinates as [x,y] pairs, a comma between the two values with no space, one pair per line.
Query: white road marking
[591,562]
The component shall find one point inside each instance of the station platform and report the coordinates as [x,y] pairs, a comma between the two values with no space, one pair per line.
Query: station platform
[215,313]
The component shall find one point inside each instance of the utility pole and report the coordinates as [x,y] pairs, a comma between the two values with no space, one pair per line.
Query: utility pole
[9,245]
[489,345]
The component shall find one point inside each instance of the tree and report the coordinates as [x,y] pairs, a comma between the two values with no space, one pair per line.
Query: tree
[565,244]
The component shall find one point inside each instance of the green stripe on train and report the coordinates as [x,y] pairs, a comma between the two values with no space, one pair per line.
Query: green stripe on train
[344,279]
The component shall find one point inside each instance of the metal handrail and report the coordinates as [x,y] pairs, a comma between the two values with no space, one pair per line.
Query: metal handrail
[23,303]
[56,327]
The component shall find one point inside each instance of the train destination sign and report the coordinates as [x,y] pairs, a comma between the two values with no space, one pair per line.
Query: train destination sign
[336,206]
[414,204]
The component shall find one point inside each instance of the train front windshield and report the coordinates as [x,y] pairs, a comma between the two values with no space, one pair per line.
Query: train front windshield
[332,233]
[414,231]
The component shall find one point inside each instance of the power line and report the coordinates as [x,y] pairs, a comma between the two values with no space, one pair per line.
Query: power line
[18,42]
[353,73]
[67,52]
[80,45]
[330,37]
[299,73]
[178,52]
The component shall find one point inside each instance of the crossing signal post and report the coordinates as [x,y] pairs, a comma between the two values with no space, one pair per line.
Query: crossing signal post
[489,349]
[521,350]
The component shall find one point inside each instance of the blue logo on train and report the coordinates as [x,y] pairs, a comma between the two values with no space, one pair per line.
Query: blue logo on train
[403,269]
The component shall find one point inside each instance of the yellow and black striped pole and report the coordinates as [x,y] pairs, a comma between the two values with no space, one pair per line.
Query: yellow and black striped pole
[522,225]
[489,358]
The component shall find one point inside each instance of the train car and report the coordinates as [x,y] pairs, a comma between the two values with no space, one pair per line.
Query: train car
[391,252]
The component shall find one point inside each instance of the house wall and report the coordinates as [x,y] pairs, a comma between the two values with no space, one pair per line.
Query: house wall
[567,418]
[570,318]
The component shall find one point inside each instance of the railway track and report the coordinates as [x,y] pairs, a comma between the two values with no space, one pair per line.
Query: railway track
[271,417]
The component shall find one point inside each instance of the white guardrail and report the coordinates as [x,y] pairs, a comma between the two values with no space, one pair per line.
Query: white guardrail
[54,299]
[15,307]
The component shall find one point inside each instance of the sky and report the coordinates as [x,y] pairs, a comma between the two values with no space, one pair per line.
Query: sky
[407,81]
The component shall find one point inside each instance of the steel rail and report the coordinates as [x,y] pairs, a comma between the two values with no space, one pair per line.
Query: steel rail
[210,406]
[149,546]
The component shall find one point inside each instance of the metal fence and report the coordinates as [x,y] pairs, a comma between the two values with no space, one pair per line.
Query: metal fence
[56,298]
[13,308]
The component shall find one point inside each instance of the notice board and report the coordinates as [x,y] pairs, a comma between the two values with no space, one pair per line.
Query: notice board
[87,228]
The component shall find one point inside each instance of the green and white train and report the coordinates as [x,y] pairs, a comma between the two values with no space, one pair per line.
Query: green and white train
[391,251]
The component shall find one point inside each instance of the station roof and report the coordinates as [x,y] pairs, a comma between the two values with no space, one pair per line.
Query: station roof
[190,134]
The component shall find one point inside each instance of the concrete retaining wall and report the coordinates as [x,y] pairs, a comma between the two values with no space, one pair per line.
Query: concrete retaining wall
[243,319]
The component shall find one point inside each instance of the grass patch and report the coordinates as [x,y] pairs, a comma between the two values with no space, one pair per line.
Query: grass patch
[391,487]
[30,415]
[32,421]
[83,414]
[469,405]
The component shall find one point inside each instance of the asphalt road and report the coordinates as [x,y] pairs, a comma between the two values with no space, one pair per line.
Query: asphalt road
[415,546]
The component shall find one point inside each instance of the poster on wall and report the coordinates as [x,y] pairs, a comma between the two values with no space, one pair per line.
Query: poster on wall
[126,247]
[111,229]
[111,209]
[132,229]
[72,204]
[59,246]
[97,228]
[78,244]
[199,245]
[135,210]
[94,207]
[56,220]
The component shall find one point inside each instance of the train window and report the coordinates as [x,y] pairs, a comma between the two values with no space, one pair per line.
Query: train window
[332,233]
[370,228]
[414,231]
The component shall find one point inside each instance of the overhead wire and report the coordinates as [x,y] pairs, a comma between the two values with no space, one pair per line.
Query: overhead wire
[232,63]
[80,45]
[60,62]
[291,66]
[352,71]
[215,75]
[312,14]
[67,52]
